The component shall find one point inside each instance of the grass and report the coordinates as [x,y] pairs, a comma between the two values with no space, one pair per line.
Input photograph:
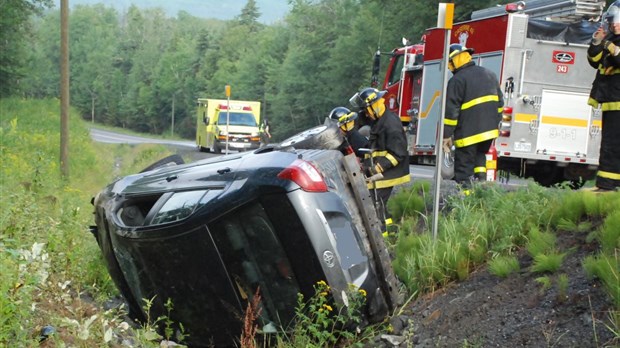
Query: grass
[52,274]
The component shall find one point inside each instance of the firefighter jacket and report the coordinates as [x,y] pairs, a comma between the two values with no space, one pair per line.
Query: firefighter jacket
[606,86]
[474,106]
[389,144]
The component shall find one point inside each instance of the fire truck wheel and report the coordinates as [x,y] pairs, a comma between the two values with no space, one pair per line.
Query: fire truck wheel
[164,162]
[323,137]
[548,174]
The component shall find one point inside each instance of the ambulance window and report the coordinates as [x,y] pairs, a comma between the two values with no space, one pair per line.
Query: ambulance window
[397,67]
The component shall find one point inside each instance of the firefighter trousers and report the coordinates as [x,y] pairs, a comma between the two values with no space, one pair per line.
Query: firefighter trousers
[608,176]
[470,163]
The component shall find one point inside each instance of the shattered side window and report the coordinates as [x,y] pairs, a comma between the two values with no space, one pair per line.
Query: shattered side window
[163,208]
[177,207]
[255,258]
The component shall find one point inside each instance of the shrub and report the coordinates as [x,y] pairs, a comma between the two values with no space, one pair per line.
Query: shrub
[503,266]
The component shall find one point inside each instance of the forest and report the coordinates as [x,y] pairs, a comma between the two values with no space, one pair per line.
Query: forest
[143,70]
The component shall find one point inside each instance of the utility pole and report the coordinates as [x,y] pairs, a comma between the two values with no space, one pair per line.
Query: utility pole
[64,87]
[172,126]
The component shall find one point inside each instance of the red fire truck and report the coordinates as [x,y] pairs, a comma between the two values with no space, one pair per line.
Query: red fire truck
[548,131]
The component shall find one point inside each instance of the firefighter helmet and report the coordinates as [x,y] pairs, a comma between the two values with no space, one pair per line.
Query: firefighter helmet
[456,49]
[612,15]
[366,97]
[344,117]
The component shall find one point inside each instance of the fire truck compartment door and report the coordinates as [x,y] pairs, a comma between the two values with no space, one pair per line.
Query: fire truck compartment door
[563,123]
[431,105]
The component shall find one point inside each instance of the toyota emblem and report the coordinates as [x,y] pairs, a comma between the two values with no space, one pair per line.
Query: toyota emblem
[328,257]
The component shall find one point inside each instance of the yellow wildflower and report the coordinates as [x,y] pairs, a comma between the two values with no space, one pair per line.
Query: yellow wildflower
[328,307]
[363,292]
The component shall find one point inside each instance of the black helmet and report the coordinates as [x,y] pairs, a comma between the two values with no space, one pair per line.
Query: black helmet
[342,115]
[612,15]
[455,49]
[366,97]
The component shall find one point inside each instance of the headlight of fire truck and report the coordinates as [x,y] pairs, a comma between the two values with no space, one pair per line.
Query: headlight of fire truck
[506,123]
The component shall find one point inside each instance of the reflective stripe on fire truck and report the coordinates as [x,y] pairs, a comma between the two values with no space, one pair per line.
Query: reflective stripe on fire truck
[525,118]
[608,175]
[563,121]
[480,100]
[480,169]
[474,139]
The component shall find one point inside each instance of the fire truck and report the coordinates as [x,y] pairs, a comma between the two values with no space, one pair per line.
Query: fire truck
[548,131]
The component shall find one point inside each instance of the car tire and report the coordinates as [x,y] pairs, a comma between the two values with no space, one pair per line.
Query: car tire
[164,162]
[323,137]
[216,148]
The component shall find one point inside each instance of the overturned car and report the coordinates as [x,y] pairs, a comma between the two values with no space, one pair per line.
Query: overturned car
[206,235]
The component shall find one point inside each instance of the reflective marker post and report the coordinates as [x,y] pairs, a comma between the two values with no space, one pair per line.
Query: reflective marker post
[444,21]
[227,91]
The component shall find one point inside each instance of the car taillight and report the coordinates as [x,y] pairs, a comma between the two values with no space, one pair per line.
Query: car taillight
[506,124]
[305,175]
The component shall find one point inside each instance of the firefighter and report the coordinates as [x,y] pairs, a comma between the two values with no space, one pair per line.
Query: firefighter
[604,56]
[263,130]
[387,165]
[346,122]
[474,103]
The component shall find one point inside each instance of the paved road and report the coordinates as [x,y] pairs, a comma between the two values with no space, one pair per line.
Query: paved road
[188,150]
[105,136]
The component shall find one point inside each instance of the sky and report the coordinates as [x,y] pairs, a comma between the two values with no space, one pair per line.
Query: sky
[271,10]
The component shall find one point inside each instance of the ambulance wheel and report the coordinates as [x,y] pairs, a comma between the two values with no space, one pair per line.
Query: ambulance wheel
[203,149]
[323,137]
[216,148]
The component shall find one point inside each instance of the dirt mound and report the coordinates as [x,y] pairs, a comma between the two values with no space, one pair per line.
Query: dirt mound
[488,311]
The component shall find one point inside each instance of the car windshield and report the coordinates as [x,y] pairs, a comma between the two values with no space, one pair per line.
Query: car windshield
[237,119]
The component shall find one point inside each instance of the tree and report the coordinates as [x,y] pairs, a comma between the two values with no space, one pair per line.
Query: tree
[14,28]
[249,16]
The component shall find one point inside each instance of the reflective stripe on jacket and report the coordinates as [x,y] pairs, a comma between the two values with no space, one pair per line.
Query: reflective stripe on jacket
[606,86]
[389,144]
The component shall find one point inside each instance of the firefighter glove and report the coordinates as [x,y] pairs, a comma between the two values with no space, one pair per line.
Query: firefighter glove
[374,178]
[374,170]
[598,36]
[613,49]
[447,145]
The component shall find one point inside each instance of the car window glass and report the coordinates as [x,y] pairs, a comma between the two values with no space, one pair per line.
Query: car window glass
[178,206]
[237,119]
[396,70]
[255,258]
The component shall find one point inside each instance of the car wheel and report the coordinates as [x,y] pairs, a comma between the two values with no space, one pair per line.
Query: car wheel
[323,137]
[216,148]
[164,162]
